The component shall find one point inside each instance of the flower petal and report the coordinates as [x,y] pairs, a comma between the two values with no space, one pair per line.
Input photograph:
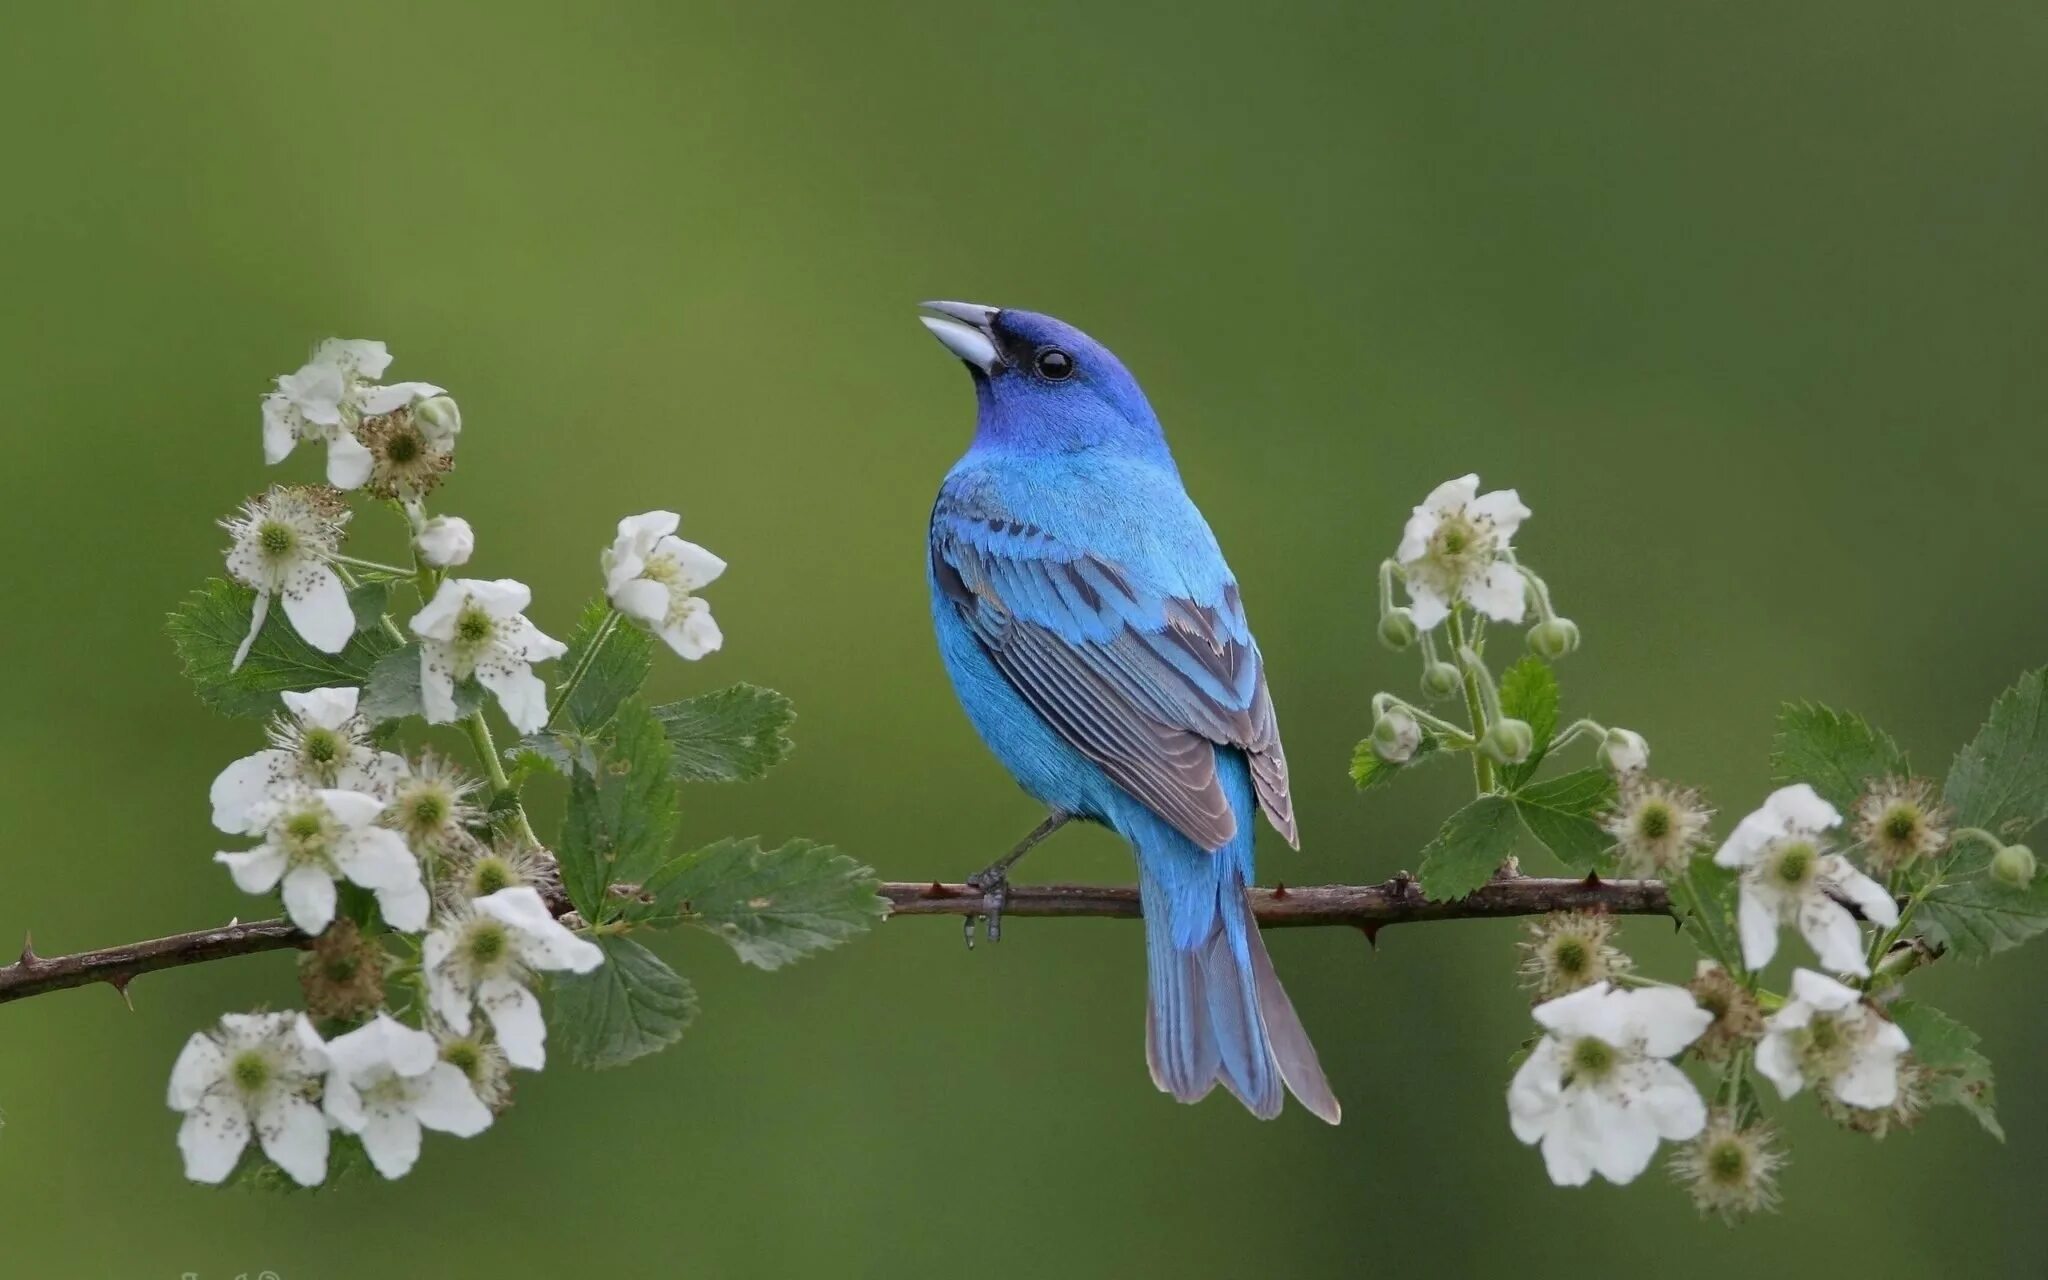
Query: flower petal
[375,401]
[642,600]
[1778,1062]
[309,898]
[1664,1019]
[641,532]
[376,858]
[242,785]
[198,1066]
[1758,925]
[1833,934]
[449,997]
[352,809]
[348,462]
[317,604]
[1872,1080]
[294,1134]
[280,428]
[522,694]
[1799,807]
[1820,992]
[1501,594]
[1428,607]
[515,1016]
[694,633]
[1870,897]
[1671,1102]
[256,870]
[1451,495]
[1504,508]
[543,942]
[215,1130]
[446,1103]
[323,708]
[436,620]
[405,907]
[697,567]
[391,1138]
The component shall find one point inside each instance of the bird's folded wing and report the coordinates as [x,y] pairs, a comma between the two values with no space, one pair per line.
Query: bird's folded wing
[1143,683]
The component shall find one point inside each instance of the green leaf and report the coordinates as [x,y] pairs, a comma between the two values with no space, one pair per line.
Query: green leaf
[735,734]
[1718,888]
[1836,751]
[1563,814]
[628,1007]
[622,814]
[368,602]
[1975,915]
[1471,846]
[1961,1076]
[391,690]
[617,672]
[210,625]
[1528,692]
[2000,780]
[1368,770]
[772,905]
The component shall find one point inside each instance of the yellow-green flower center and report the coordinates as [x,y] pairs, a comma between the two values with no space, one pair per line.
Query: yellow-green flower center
[1570,956]
[464,1055]
[1727,1163]
[276,538]
[1654,820]
[1901,824]
[320,747]
[1591,1059]
[1795,862]
[487,943]
[490,874]
[474,626]
[250,1070]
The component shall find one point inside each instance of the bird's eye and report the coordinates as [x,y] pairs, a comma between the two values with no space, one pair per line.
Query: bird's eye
[1054,365]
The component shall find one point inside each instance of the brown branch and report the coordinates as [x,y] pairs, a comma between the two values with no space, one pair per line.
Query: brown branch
[1368,907]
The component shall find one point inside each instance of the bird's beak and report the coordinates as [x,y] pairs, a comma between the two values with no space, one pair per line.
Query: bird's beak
[967,330]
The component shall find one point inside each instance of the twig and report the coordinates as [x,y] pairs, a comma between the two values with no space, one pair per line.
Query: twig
[1367,907]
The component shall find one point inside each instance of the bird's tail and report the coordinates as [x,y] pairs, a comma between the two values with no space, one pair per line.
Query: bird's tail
[1215,1010]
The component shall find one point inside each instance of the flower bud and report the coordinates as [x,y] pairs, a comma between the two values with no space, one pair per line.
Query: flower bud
[2013,866]
[1553,638]
[1508,742]
[1440,680]
[1396,736]
[440,417]
[445,541]
[1397,629]
[1624,751]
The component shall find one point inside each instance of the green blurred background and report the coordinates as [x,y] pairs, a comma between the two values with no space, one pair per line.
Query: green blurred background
[1746,298]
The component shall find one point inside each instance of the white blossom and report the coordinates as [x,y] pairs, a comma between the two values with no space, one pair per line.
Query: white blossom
[254,1073]
[445,542]
[1597,1091]
[314,837]
[1624,751]
[1826,1035]
[322,743]
[283,543]
[322,401]
[649,573]
[474,627]
[387,1081]
[1788,875]
[1456,548]
[481,956]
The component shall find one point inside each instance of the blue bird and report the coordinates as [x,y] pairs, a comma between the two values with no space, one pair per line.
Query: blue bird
[1098,643]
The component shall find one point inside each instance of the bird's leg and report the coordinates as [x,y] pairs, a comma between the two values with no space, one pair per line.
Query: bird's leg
[994,879]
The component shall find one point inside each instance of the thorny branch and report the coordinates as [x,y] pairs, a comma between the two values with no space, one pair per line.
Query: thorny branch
[1368,907]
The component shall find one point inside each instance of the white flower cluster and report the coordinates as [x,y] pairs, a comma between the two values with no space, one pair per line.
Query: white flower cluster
[329,806]
[1602,1086]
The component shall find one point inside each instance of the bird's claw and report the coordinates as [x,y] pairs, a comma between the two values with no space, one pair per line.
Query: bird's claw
[994,887]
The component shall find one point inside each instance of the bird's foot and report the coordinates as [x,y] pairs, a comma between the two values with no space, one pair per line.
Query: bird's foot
[993,883]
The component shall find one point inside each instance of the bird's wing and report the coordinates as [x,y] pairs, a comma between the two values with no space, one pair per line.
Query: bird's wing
[1142,682]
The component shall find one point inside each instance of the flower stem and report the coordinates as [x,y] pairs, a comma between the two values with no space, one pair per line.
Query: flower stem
[374,566]
[584,661]
[1482,768]
[1696,906]
[486,747]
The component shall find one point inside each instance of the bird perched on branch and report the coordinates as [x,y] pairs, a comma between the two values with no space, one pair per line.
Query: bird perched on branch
[1099,645]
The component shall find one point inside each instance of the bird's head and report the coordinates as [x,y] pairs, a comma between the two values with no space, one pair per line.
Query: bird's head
[1043,385]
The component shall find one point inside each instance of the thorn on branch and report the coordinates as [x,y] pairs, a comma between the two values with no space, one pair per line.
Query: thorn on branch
[29,958]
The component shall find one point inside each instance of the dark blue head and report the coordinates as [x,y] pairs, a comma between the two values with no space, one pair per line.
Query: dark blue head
[1043,385]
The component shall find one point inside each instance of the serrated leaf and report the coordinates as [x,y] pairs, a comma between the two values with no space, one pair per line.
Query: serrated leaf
[1718,888]
[1961,1076]
[1563,814]
[628,1007]
[736,734]
[368,603]
[210,625]
[2000,780]
[1836,751]
[1528,692]
[617,672]
[391,691]
[772,905]
[1975,915]
[1469,848]
[622,814]
[1368,770]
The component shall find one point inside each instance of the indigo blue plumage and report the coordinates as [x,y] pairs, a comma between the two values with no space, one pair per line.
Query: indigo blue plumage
[1099,645]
